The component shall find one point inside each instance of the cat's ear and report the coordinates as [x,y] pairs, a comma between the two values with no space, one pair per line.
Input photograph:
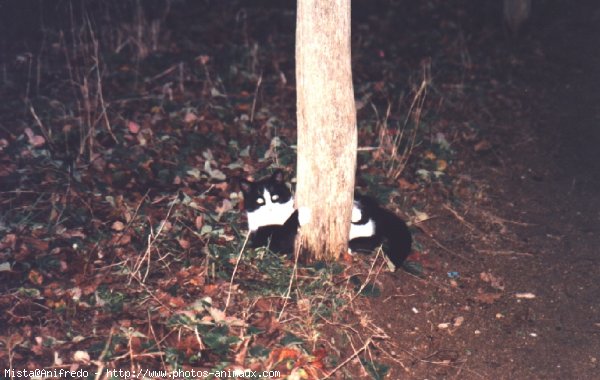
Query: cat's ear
[245,185]
[278,176]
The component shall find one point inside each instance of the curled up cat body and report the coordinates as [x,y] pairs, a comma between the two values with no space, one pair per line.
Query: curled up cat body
[273,221]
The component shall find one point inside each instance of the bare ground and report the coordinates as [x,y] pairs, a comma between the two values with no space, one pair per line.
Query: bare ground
[536,226]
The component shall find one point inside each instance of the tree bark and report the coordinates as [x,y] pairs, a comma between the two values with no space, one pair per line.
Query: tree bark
[327,136]
[516,12]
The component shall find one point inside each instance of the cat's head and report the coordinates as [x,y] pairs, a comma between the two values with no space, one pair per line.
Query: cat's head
[271,192]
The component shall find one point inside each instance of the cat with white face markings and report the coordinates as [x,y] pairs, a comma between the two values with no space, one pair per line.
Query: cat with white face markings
[273,221]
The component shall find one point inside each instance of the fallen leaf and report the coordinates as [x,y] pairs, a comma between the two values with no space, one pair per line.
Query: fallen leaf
[217,315]
[190,117]
[35,277]
[441,165]
[458,321]
[240,356]
[482,146]
[488,298]
[118,226]
[9,241]
[405,185]
[133,127]
[420,216]
[495,282]
[224,207]
[120,238]
[36,244]
[185,244]
[203,59]
[429,155]
[199,222]
[35,140]
[284,353]
[81,356]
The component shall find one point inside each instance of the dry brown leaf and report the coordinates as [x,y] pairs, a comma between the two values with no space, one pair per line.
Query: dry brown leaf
[240,356]
[487,298]
[36,244]
[495,282]
[133,127]
[226,205]
[199,222]
[458,321]
[482,146]
[120,239]
[81,356]
[190,117]
[183,243]
[9,241]
[405,185]
[118,226]
[35,277]
[35,140]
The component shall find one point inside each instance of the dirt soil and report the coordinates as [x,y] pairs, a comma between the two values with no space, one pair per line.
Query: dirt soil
[535,230]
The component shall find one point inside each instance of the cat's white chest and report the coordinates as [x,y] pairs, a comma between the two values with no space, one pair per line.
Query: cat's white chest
[271,213]
[362,230]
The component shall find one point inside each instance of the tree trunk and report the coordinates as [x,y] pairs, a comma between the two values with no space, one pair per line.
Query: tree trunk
[516,12]
[327,137]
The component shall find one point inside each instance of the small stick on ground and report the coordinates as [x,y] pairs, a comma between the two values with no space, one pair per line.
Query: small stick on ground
[255,96]
[459,217]
[135,273]
[100,362]
[348,359]
[498,220]
[505,253]
[237,262]
[364,285]
[448,249]
[292,276]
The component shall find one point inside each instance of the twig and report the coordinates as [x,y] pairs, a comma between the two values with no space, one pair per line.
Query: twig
[165,72]
[364,285]
[141,355]
[100,361]
[255,96]
[367,148]
[237,262]
[446,364]
[155,339]
[500,220]
[460,218]
[151,239]
[292,276]
[391,357]
[96,59]
[348,359]
[45,132]
[399,295]
[447,249]
[505,253]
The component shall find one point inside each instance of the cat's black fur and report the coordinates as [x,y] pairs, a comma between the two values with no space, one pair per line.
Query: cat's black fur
[274,222]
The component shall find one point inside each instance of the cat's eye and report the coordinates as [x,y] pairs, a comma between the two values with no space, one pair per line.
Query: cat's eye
[260,201]
[275,197]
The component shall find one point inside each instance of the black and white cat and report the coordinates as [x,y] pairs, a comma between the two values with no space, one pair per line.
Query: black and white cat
[273,221]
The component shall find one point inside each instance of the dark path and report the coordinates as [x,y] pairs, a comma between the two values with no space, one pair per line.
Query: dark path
[556,186]
[537,226]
